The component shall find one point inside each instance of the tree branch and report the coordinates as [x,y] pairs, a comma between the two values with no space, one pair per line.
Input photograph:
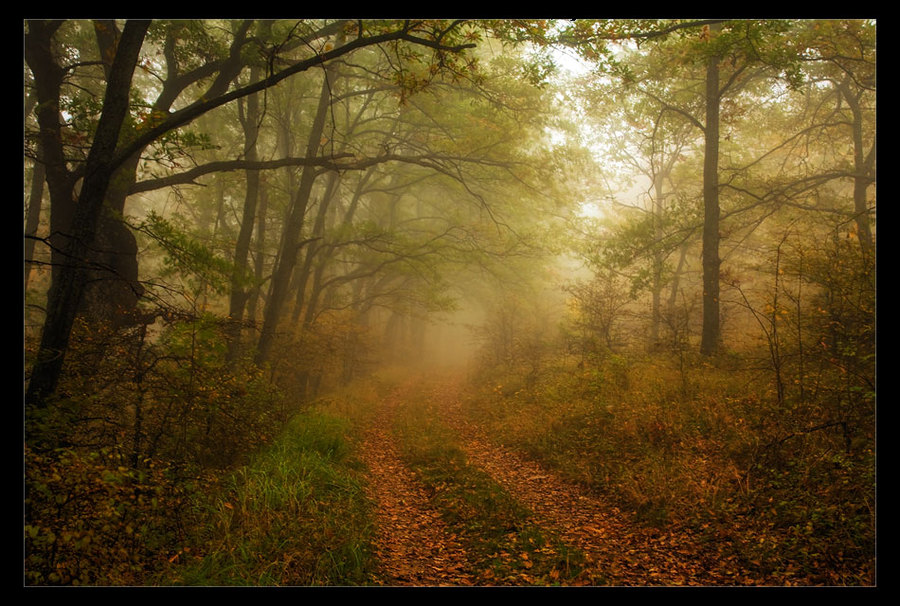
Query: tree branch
[203,105]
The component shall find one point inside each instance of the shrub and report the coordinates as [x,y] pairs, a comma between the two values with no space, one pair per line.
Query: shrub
[91,520]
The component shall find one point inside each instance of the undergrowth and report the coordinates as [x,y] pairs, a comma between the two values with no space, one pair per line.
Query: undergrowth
[778,488]
[296,515]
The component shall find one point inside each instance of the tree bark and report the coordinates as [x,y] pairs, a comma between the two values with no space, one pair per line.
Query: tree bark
[259,261]
[65,297]
[291,243]
[33,218]
[862,168]
[711,337]
[112,289]
[240,290]
[48,77]
[658,262]
[312,249]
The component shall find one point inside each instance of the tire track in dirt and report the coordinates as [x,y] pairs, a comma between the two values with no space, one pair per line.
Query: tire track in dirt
[617,550]
[412,545]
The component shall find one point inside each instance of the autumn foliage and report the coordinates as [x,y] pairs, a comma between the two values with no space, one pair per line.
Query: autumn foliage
[450,302]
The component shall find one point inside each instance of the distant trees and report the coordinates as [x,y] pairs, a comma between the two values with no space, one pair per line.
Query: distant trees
[752,93]
[411,156]
[323,199]
[225,217]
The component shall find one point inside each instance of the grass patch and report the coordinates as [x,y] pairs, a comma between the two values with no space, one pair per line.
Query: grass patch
[296,515]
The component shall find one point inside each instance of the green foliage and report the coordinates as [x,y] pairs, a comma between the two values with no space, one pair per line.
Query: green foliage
[175,398]
[186,256]
[84,111]
[596,313]
[174,148]
[225,410]
[195,42]
[90,519]
[113,497]
[842,325]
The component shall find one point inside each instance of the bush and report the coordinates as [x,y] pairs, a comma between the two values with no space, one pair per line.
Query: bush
[90,520]
[767,483]
[113,465]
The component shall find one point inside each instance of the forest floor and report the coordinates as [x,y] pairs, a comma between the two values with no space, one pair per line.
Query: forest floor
[414,546]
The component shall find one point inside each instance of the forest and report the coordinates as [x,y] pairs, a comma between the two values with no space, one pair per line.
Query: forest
[442,303]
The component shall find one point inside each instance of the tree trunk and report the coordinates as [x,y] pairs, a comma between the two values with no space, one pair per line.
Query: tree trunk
[66,295]
[313,248]
[33,218]
[711,337]
[259,261]
[48,77]
[291,243]
[240,290]
[658,261]
[112,289]
[862,166]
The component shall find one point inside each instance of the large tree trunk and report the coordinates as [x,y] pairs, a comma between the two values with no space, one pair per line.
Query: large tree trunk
[240,289]
[862,168]
[67,292]
[48,77]
[33,218]
[112,289]
[710,339]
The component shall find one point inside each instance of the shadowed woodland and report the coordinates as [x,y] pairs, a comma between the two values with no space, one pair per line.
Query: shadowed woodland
[449,302]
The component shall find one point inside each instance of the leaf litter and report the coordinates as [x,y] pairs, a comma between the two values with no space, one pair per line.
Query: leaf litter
[414,546]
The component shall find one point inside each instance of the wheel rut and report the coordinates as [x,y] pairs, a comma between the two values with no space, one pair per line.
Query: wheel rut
[413,547]
[617,549]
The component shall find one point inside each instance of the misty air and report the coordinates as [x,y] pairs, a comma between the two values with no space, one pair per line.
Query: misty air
[442,303]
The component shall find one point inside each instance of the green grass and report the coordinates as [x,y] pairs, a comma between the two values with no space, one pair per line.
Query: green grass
[296,515]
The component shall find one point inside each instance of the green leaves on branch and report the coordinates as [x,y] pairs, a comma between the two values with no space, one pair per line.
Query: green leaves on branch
[186,256]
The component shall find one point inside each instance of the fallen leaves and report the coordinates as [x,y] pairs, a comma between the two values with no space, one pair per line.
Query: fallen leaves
[415,547]
[412,544]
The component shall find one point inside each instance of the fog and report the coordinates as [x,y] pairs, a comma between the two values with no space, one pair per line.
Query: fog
[645,249]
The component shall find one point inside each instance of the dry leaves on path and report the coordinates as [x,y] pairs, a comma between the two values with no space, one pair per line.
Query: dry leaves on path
[412,544]
[618,550]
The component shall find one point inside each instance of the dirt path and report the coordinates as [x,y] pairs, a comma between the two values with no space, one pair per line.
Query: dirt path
[618,551]
[413,546]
